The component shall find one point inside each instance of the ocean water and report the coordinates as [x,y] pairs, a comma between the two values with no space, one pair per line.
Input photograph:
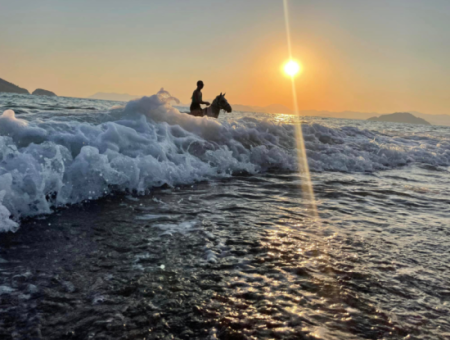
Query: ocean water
[127,220]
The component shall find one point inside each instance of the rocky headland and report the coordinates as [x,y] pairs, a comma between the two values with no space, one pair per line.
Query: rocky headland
[6,86]
[400,117]
[41,92]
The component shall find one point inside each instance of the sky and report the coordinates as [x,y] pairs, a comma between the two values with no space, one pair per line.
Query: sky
[360,55]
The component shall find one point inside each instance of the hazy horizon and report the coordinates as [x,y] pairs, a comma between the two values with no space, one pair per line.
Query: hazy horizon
[356,56]
[440,119]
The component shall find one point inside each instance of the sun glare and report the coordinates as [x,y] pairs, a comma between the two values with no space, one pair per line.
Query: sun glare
[291,68]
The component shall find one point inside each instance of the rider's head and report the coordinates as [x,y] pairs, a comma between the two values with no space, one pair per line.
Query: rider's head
[200,84]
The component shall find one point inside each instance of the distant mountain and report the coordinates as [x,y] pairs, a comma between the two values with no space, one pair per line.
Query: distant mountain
[342,114]
[400,117]
[277,108]
[41,92]
[120,97]
[11,88]
[441,119]
[274,108]
[246,108]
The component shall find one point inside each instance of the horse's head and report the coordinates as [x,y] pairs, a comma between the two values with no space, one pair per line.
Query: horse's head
[222,103]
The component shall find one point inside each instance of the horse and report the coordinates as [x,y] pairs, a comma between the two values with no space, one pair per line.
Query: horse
[219,103]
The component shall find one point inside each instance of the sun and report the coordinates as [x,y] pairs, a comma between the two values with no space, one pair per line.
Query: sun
[291,68]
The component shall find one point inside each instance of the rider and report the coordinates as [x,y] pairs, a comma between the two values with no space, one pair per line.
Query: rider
[196,110]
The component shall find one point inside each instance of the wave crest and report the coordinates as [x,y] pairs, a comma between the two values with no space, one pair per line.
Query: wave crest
[149,143]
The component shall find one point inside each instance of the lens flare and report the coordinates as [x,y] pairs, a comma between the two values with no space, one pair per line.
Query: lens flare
[306,183]
[291,68]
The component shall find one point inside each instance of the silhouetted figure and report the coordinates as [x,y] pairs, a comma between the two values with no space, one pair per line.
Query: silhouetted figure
[196,109]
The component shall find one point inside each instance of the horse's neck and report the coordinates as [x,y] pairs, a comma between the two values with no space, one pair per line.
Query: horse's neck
[212,111]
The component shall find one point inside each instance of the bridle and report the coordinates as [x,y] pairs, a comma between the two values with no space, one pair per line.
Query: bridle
[216,106]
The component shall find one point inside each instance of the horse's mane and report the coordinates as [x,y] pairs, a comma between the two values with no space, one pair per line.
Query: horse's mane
[216,100]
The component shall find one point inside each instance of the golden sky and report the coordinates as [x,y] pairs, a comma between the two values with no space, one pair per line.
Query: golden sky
[376,56]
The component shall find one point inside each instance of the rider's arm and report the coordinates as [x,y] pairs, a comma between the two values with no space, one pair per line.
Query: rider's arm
[199,97]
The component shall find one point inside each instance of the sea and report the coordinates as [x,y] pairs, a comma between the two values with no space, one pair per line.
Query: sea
[137,221]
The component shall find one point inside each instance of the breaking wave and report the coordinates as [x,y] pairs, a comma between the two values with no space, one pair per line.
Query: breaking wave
[149,143]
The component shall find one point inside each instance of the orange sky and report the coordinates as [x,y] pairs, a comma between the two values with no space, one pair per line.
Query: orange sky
[361,56]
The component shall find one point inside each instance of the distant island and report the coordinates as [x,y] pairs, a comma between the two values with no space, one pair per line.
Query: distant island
[6,86]
[400,117]
[41,92]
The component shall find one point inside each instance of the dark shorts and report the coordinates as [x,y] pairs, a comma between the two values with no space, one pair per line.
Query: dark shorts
[196,107]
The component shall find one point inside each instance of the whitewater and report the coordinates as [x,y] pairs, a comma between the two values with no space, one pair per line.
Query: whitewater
[58,152]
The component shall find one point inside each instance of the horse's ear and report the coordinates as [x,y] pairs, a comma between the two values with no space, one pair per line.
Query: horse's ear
[221,94]
[224,94]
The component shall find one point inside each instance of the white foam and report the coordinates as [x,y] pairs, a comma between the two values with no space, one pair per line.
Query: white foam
[6,224]
[148,143]
[19,129]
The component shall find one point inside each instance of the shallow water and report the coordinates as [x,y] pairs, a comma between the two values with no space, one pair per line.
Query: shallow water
[239,256]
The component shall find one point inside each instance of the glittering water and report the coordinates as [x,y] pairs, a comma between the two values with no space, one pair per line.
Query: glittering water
[226,247]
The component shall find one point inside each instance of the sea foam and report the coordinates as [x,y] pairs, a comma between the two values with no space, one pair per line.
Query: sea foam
[149,143]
